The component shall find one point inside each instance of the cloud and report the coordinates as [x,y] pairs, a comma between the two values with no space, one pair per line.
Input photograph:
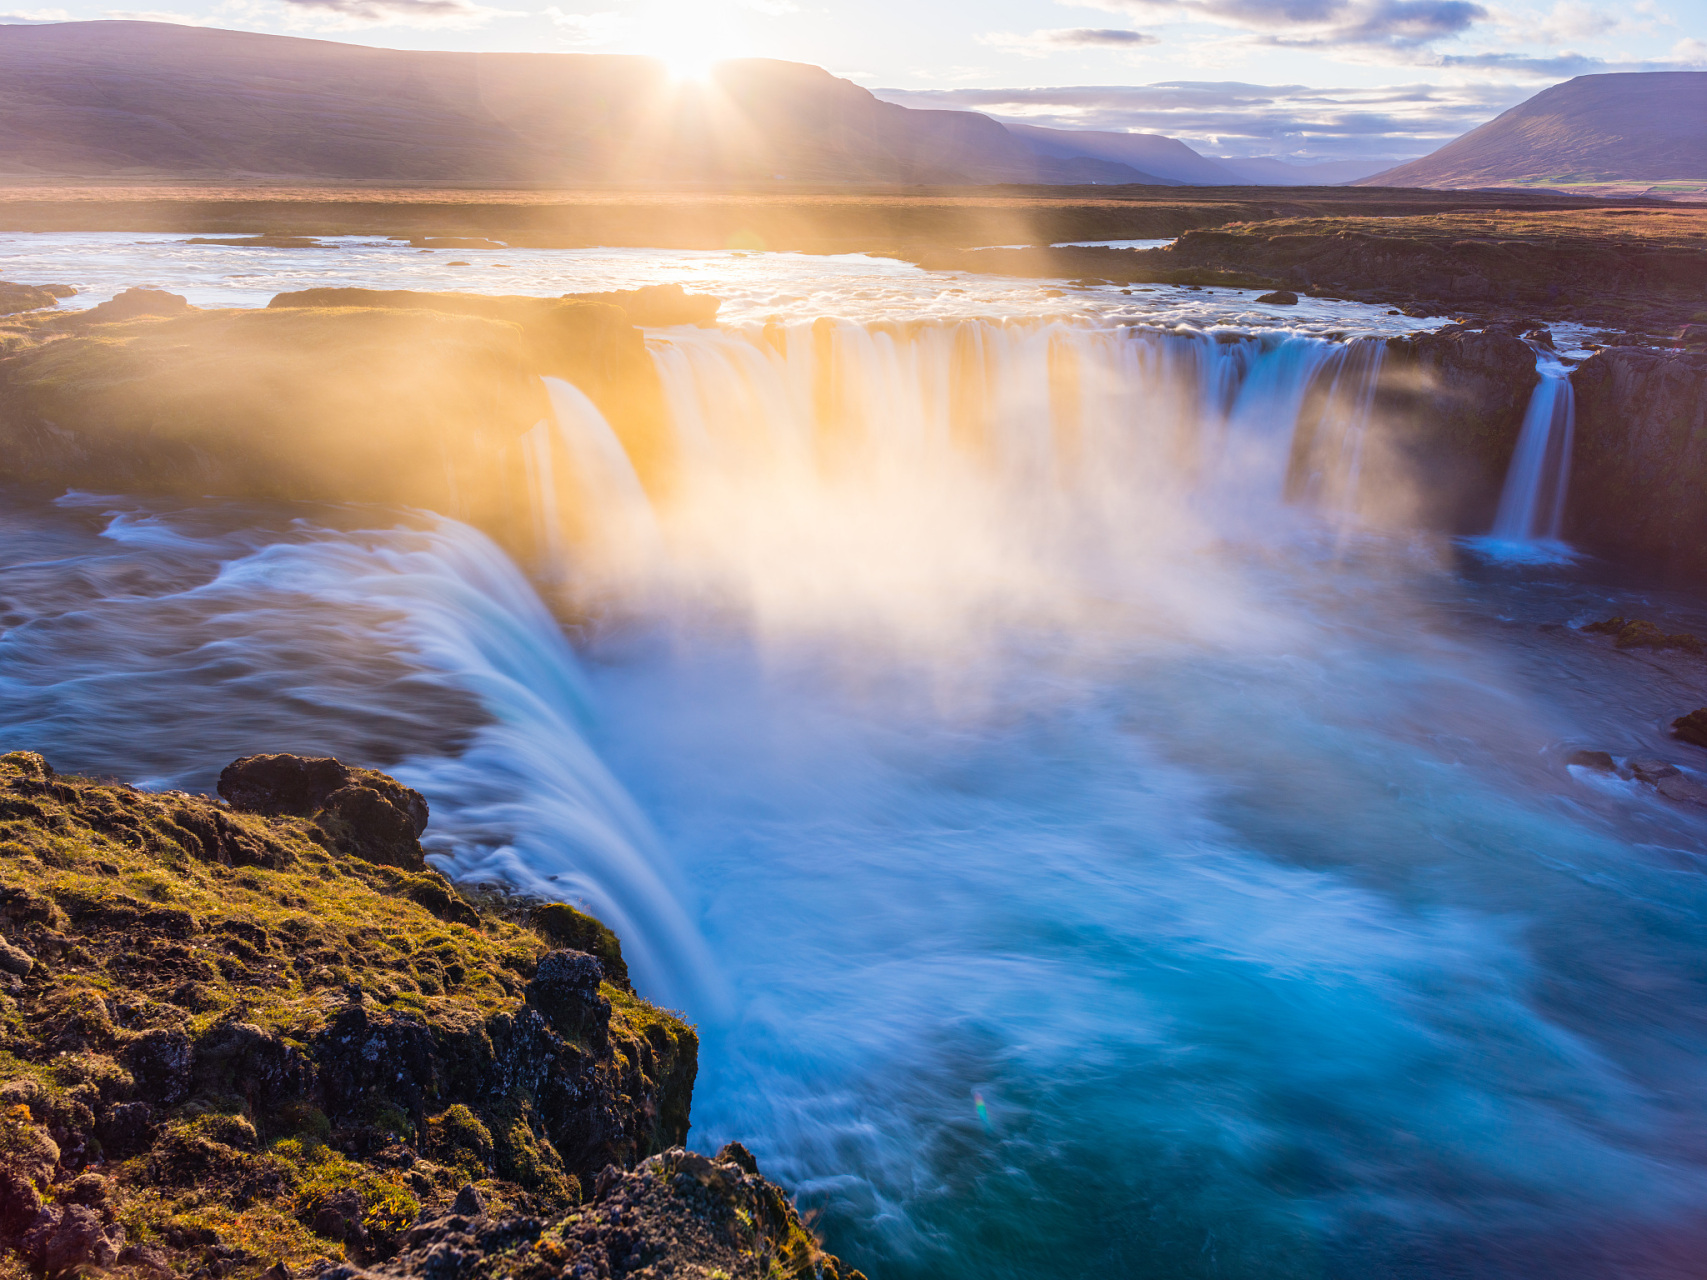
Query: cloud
[341,14]
[588,28]
[33,16]
[1041,43]
[1234,118]
[1316,23]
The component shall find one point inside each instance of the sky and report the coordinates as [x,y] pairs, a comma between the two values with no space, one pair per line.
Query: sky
[1298,79]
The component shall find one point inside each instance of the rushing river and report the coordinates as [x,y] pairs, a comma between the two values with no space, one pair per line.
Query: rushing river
[1090,844]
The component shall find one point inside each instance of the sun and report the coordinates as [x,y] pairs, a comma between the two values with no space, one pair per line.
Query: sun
[691,38]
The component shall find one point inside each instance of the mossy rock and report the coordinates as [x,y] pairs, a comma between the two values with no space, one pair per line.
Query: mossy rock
[570,927]
[285,1055]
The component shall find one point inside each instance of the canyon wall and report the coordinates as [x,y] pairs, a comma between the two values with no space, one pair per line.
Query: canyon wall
[1639,473]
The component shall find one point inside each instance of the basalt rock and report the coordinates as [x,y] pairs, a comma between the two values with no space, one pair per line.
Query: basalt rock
[679,1213]
[1639,473]
[1691,728]
[362,811]
[1451,404]
[288,1063]
[1638,633]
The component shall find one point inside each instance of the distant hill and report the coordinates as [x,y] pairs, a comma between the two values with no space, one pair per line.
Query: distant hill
[149,101]
[1168,159]
[1637,126]
[1271,171]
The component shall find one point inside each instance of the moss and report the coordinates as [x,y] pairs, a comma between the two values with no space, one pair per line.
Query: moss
[568,926]
[457,1137]
[179,1009]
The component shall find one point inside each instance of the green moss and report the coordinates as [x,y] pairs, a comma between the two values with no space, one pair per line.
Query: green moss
[567,926]
[457,1137]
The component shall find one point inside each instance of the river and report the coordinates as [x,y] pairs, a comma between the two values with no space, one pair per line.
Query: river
[1089,844]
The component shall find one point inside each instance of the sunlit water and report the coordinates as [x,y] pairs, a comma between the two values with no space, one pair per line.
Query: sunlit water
[753,286]
[1089,843]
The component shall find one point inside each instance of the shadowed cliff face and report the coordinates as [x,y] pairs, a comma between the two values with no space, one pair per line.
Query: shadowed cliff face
[1640,470]
[332,395]
[410,407]
[239,1035]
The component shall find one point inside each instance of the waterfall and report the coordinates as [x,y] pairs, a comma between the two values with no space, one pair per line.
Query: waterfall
[1532,502]
[938,474]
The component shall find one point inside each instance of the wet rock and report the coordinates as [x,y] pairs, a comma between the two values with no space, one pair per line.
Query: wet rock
[1691,728]
[677,1214]
[67,1237]
[1651,771]
[1599,761]
[1280,298]
[1683,790]
[1640,468]
[17,298]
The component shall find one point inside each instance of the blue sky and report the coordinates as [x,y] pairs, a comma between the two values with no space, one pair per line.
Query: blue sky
[1298,78]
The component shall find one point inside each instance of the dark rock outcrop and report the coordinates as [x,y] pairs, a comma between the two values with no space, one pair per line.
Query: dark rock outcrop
[17,298]
[270,1063]
[679,1213]
[1691,728]
[1451,403]
[364,812]
[1639,473]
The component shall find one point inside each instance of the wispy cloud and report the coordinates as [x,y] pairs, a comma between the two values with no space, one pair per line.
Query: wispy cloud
[1042,43]
[588,29]
[340,14]
[1315,23]
[1233,118]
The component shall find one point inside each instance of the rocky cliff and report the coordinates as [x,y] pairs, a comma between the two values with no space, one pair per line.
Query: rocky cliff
[414,399]
[258,1034]
[1639,472]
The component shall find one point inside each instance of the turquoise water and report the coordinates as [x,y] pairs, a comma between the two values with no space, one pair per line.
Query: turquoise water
[1294,951]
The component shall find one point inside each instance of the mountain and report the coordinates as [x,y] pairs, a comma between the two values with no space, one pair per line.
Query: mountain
[1168,159]
[153,101]
[1646,126]
[1270,171]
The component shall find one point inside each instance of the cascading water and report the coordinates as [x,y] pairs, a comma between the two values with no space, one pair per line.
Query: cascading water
[1081,858]
[1537,482]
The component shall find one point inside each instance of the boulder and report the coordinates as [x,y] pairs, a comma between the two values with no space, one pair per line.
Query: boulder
[131,304]
[1691,728]
[64,1238]
[17,298]
[1280,298]
[364,812]
[566,992]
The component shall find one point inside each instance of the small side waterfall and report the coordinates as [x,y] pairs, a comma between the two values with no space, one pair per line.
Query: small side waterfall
[1532,503]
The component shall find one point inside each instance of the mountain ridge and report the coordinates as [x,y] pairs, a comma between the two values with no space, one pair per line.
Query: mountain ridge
[1641,126]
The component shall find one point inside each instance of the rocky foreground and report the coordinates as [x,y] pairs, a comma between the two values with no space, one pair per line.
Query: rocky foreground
[258,1034]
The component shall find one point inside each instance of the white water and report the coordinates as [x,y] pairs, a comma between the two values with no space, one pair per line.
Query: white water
[1089,844]
[753,286]
[1531,514]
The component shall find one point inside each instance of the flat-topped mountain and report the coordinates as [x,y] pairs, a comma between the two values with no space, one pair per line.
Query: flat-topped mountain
[1638,126]
[153,101]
